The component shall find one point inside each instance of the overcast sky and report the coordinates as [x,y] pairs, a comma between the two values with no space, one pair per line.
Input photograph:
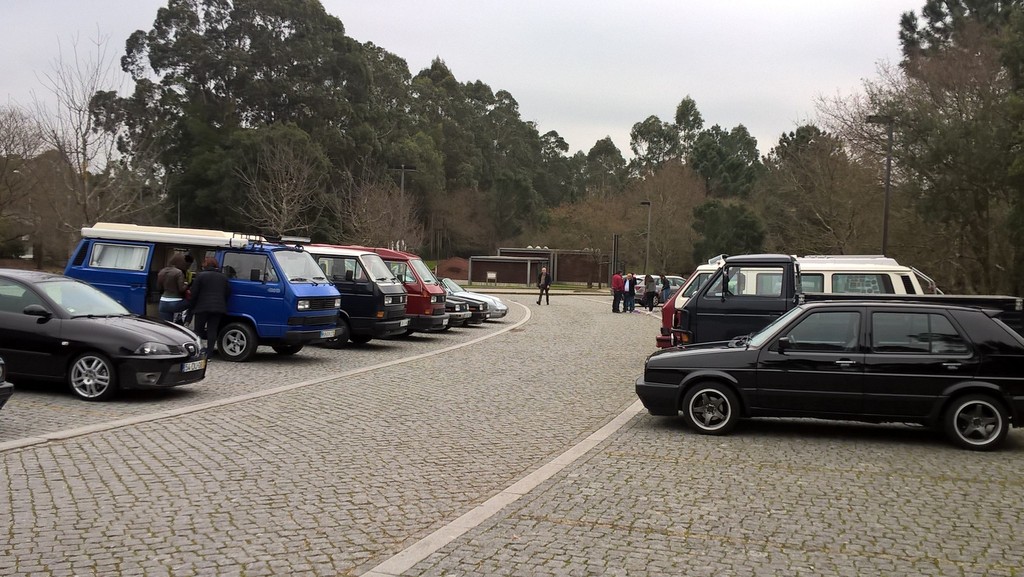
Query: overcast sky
[585,68]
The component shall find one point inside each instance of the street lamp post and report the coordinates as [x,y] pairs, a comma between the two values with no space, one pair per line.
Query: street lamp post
[647,253]
[888,121]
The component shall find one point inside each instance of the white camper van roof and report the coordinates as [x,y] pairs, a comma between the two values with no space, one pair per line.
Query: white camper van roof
[162,234]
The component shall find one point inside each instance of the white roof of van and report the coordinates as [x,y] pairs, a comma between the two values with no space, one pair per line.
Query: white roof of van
[835,263]
[330,249]
[166,234]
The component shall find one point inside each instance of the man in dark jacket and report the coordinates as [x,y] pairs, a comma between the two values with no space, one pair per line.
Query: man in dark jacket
[544,284]
[209,301]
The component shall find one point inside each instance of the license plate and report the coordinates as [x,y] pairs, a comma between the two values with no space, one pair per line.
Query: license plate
[327,334]
[193,366]
[404,323]
[444,323]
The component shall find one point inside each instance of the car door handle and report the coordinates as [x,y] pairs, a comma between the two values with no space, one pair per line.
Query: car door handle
[846,362]
[951,365]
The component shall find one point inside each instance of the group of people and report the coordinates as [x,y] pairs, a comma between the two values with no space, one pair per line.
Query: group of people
[205,299]
[626,288]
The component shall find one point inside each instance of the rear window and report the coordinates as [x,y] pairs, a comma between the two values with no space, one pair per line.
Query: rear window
[904,332]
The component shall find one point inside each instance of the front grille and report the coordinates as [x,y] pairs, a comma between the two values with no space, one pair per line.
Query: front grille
[321,304]
[319,320]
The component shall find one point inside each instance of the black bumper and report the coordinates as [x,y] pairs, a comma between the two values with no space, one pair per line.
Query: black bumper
[428,322]
[159,373]
[305,337]
[658,398]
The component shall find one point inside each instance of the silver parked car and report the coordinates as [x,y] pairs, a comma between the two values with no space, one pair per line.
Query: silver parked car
[498,308]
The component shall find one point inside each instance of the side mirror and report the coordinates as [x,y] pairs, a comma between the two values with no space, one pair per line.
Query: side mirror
[37,311]
[784,343]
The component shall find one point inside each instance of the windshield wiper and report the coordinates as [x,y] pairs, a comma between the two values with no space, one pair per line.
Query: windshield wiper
[298,279]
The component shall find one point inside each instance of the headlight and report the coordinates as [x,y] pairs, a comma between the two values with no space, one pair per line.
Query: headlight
[303,305]
[388,300]
[337,303]
[437,299]
[153,349]
[3,371]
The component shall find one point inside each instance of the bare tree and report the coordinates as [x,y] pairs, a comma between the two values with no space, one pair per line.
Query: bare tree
[379,213]
[285,183]
[19,142]
[96,182]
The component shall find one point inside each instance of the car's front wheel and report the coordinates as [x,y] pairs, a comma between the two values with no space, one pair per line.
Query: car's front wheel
[237,342]
[361,339]
[92,377]
[342,334]
[977,422]
[711,409]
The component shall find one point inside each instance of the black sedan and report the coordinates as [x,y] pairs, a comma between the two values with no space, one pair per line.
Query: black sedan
[6,389]
[56,328]
[956,369]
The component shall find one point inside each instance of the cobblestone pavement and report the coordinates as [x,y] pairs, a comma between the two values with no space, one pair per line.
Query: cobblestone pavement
[336,478]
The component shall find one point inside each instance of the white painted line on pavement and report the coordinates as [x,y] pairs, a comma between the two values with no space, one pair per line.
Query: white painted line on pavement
[420,550]
[109,425]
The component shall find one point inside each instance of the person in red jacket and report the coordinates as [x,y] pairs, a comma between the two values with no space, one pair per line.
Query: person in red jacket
[617,284]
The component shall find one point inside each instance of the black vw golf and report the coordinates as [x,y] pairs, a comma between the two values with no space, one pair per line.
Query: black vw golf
[56,328]
[957,369]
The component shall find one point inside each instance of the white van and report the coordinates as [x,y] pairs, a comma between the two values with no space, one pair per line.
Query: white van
[863,274]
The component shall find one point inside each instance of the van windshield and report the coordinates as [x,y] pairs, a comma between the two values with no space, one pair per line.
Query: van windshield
[424,273]
[299,267]
[377,269]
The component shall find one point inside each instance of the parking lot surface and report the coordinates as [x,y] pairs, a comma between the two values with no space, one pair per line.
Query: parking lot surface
[347,473]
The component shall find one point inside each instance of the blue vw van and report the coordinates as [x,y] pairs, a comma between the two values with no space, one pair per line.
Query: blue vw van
[279,296]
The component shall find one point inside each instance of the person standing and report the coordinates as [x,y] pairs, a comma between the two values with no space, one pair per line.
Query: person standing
[665,287]
[209,302]
[544,284]
[617,283]
[629,293]
[650,290]
[171,280]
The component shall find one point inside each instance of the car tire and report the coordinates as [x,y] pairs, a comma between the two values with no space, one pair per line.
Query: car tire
[92,377]
[977,422]
[361,339]
[342,334]
[287,349]
[237,342]
[711,409]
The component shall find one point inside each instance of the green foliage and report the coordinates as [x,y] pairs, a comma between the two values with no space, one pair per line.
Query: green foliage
[728,161]
[725,229]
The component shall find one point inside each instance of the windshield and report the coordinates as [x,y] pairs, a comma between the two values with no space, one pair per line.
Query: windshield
[453,286]
[696,283]
[81,300]
[377,270]
[421,269]
[762,336]
[299,267]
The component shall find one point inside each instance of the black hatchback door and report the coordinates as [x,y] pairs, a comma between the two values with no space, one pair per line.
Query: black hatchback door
[913,356]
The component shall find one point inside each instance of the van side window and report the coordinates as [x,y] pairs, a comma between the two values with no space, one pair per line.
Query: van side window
[898,332]
[748,281]
[339,268]
[120,256]
[864,283]
[908,285]
[401,270]
[812,283]
[240,266]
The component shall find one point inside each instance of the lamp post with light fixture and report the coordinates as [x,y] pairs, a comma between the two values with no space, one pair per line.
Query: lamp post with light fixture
[647,253]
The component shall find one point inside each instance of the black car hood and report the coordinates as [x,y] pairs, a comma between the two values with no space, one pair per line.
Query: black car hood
[144,329]
[703,352]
